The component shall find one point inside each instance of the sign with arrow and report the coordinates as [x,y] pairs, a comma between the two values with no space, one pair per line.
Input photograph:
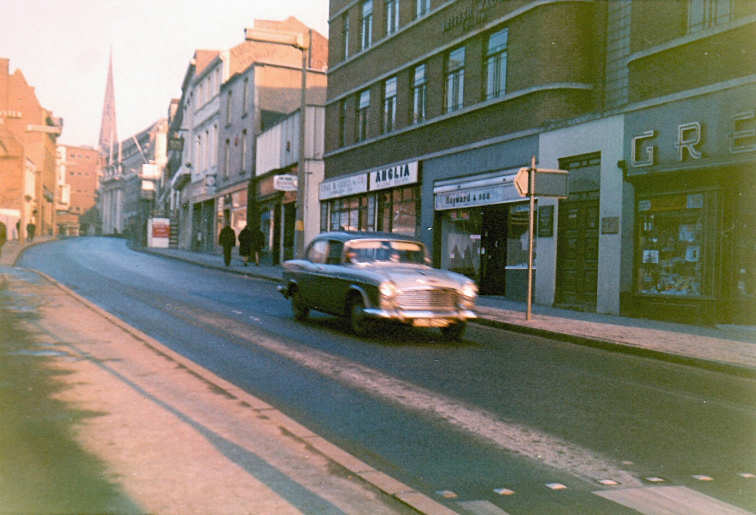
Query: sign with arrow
[548,183]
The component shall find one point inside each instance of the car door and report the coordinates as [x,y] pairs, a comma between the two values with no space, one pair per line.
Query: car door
[334,278]
[310,278]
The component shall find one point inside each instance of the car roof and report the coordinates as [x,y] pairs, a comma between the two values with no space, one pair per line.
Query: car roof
[364,235]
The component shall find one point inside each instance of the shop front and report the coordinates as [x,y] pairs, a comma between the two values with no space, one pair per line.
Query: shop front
[692,164]
[274,209]
[384,199]
[483,224]
[231,207]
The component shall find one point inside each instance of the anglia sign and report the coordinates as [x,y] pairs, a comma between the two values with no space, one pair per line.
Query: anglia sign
[548,183]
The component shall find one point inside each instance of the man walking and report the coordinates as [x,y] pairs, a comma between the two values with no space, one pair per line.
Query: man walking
[228,240]
[3,236]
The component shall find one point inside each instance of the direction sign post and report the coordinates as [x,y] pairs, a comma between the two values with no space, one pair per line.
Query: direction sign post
[532,182]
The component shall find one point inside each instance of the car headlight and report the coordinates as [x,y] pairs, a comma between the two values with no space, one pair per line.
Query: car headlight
[469,290]
[388,289]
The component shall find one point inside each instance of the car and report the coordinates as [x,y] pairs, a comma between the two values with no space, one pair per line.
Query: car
[369,276]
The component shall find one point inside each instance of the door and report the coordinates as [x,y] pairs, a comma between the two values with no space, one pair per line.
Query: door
[577,254]
[493,258]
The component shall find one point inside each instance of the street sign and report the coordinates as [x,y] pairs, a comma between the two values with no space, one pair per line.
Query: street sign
[548,183]
[285,182]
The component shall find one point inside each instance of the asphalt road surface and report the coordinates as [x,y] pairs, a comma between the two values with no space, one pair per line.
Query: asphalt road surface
[498,422]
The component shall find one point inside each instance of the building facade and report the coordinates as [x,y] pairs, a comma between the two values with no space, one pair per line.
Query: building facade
[28,135]
[79,171]
[434,106]
[432,109]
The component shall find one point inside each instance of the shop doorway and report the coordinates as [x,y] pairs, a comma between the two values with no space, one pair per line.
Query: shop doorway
[577,254]
[493,259]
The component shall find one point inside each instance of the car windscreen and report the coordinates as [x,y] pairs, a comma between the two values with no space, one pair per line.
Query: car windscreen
[385,251]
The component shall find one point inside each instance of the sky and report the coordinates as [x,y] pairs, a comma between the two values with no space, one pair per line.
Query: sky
[62,48]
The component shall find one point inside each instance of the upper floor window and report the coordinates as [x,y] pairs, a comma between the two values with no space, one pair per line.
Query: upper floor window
[419,91]
[392,16]
[704,14]
[361,125]
[345,34]
[342,122]
[367,24]
[227,159]
[244,152]
[228,108]
[389,105]
[421,7]
[245,96]
[455,80]
[496,64]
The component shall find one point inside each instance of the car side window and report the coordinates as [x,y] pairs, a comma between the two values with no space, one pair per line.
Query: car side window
[334,252]
[317,251]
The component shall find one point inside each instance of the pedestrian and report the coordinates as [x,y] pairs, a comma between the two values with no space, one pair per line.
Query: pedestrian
[3,236]
[258,243]
[245,242]
[30,230]
[228,240]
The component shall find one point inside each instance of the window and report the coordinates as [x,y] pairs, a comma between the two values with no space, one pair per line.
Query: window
[245,95]
[389,105]
[227,159]
[361,125]
[342,122]
[317,251]
[422,7]
[367,24]
[392,16]
[704,14]
[228,108]
[244,152]
[419,86]
[398,210]
[455,80]
[345,35]
[496,64]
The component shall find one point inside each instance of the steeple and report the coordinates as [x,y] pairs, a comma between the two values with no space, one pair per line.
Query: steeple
[108,132]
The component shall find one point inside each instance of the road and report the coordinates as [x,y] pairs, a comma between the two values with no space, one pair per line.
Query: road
[466,423]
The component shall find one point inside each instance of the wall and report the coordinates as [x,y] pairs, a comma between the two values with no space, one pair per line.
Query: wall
[604,136]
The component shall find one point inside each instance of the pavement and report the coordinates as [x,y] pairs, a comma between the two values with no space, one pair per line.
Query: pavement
[176,438]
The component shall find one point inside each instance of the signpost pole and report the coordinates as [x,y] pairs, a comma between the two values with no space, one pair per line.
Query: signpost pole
[531,194]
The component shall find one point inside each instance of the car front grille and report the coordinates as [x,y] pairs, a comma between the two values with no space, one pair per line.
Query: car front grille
[427,299]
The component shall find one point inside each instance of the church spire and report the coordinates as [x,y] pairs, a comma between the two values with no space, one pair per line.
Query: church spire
[108,133]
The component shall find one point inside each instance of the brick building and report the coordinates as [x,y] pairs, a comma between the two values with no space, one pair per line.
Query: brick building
[79,169]
[28,134]
[434,106]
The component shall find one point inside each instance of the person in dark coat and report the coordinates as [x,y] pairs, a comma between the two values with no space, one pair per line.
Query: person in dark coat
[245,243]
[258,243]
[228,240]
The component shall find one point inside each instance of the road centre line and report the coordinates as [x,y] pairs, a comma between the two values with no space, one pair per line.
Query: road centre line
[522,440]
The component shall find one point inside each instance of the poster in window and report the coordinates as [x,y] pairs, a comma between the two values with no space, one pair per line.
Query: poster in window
[692,253]
[651,256]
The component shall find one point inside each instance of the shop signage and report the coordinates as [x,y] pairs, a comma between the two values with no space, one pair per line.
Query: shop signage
[176,144]
[393,176]
[285,182]
[482,196]
[689,139]
[11,114]
[344,186]
[159,232]
[547,183]
[150,171]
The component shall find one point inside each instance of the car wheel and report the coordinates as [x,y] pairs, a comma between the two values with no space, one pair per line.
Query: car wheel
[454,332]
[358,322]
[298,306]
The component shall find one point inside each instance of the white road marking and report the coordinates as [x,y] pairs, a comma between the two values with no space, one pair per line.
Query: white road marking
[654,479]
[608,482]
[669,499]
[504,491]
[556,486]
[747,475]
[481,508]
[523,440]
[447,494]
[701,477]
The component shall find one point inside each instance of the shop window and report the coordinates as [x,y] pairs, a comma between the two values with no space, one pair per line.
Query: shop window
[460,251]
[398,210]
[518,223]
[672,250]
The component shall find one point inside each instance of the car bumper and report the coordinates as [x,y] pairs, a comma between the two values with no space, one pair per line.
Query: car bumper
[418,317]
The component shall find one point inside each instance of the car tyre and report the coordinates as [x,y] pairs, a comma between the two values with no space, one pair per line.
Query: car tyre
[358,321]
[454,332]
[298,306]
